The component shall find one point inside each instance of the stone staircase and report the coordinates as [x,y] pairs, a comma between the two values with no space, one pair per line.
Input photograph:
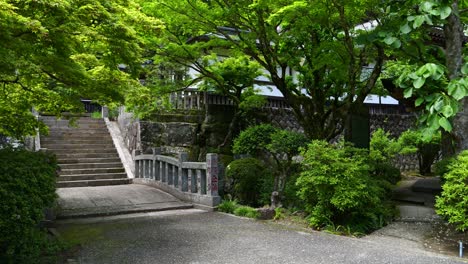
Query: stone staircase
[416,198]
[85,153]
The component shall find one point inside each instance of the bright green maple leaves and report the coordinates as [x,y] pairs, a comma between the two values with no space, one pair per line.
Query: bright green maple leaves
[52,53]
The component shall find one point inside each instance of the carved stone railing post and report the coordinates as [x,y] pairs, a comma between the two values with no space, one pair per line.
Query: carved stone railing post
[156,164]
[212,174]
[183,157]
[135,153]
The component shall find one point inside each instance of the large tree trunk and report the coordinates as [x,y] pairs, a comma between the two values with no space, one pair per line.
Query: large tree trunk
[453,31]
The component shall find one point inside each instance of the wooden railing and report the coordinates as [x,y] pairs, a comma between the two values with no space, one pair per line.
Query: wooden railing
[195,182]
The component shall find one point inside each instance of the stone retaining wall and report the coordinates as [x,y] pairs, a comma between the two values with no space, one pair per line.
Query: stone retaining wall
[182,136]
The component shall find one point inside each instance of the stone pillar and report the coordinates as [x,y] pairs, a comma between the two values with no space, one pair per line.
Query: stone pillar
[136,162]
[212,174]
[104,112]
[156,164]
[183,157]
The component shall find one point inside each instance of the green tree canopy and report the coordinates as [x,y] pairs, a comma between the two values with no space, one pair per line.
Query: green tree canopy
[52,53]
[311,51]
[426,42]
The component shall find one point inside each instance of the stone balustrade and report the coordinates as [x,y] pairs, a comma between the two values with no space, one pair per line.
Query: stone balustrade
[195,182]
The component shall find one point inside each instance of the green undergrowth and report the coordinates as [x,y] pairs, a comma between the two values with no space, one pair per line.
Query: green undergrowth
[233,207]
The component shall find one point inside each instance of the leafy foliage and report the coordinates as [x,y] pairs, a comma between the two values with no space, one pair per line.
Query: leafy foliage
[433,80]
[276,148]
[443,166]
[27,187]
[249,177]
[228,206]
[311,51]
[246,211]
[53,53]
[337,188]
[382,147]
[427,151]
[452,204]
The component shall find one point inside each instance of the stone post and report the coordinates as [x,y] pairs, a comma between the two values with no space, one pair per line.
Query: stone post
[183,157]
[104,112]
[137,163]
[156,164]
[212,174]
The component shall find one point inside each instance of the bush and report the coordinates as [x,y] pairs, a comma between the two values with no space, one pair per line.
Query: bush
[228,206]
[442,166]
[246,211]
[276,148]
[426,151]
[337,188]
[452,204]
[250,180]
[382,153]
[27,187]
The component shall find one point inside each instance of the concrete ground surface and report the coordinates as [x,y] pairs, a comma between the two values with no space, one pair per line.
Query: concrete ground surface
[112,200]
[195,236]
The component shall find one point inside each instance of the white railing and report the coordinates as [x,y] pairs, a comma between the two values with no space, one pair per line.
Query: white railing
[195,182]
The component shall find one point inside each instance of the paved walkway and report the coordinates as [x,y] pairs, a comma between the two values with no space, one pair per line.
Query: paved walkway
[112,200]
[194,236]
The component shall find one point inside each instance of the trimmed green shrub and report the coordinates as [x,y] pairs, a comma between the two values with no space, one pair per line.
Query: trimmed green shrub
[228,206]
[250,180]
[246,211]
[452,204]
[337,188]
[442,167]
[27,188]
[382,153]
[276,148]
[426,151]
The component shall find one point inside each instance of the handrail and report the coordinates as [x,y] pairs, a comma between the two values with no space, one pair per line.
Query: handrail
[195,182]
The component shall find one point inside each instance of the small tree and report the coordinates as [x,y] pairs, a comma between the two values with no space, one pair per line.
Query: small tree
[275,147]
[427,151]
[452,204]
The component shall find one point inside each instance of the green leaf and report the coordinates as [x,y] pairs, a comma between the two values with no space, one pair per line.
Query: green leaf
[419,101]
[405,29]
[408,93]
[464,69]
[456,90]
[396,44]
[443,122]
[418,21]
[418,83]
[447,111]
[439,104]
[389,40]
[426,6]
[445,11]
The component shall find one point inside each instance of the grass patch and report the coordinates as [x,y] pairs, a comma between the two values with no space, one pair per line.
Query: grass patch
[246,211]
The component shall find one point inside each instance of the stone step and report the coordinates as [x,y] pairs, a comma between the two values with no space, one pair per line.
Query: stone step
[416,213]
[77,131]
[64,172]
[45,141]
[428,185]
[87,160]
[90,165]
[90,177]
[84,155]
[78,146]
[82,120]
[102,152]
[76,125]
[78,137]
[70,184]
